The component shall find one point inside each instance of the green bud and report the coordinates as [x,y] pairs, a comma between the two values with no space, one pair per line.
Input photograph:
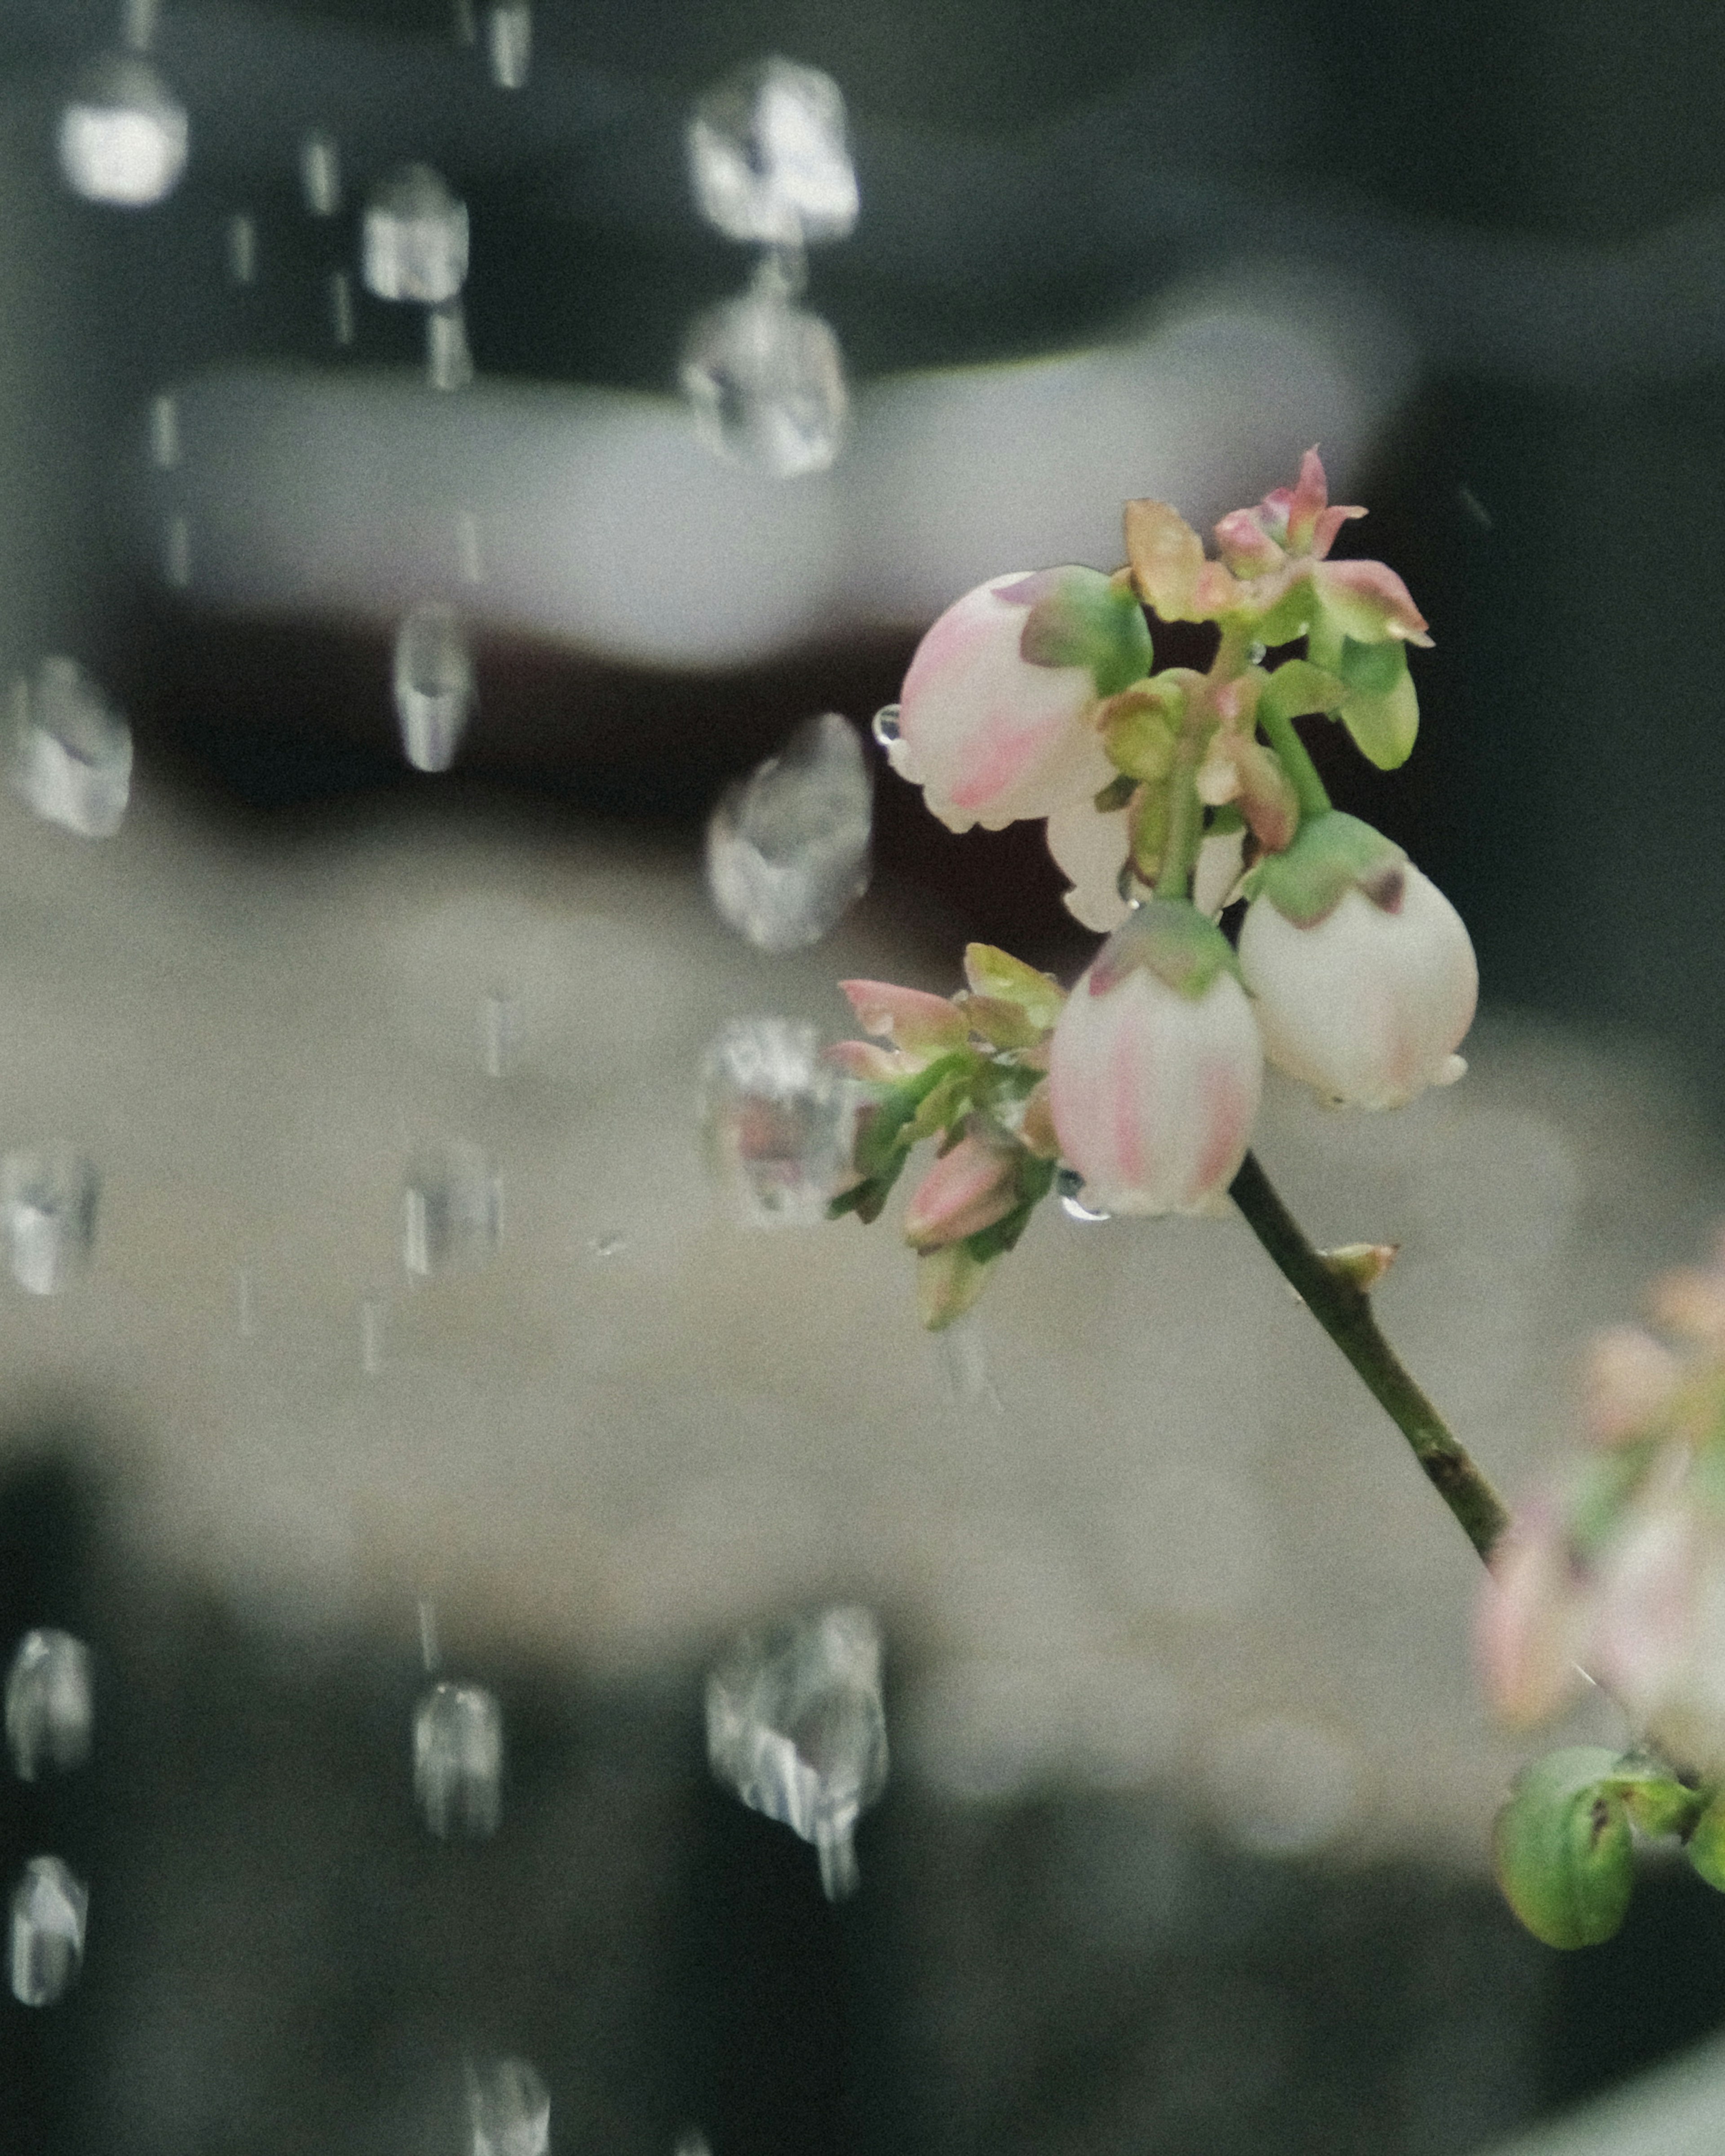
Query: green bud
[1561,1847]
[1330,854]
[1707,1844]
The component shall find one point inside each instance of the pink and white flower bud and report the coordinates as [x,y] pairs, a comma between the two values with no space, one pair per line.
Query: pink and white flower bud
[1368,1004]
[1154,1086]
[966,1190]
[990,736]
[1533,1620]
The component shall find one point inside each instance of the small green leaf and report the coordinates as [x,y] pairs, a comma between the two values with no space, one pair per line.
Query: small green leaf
[995,973]
[1296,687]
[1373,668]
[1384,728]
[1561,1848]
[1116,793]
[1002,1022]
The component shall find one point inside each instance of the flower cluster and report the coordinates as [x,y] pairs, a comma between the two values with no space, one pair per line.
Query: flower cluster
[1618,1570]
[1169,796]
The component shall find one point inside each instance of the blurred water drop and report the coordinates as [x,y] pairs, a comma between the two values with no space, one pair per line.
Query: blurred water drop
[609,1243]
[137,24]
[499,1033]
[787,848]
[49,1910]
[469,556]
[692,2142]
[435,688]
[415,239]
[508,2109]
[177,553]
[794,1724]
[243,248]
[964,1366]
[48,1205]
[448,356]
[452,1208]
[884,725]
[457,1761]
[321,174]
[341,306]
[70,751]
[372,1317]
[1257,654]
[509,39]
[766,382]
[777,1121]
[430,1655]
[769,157]
[49,1707]
[1069,1183]
[466,26]
[1284,1788]
[123,139]
[164,433]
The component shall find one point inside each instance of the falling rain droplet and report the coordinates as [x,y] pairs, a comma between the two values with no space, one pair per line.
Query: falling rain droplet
[1069,1183]
[243,248]
[457,1761]
[964,1366]
[448,356]
[48,1710]
[787,848]
[766,382]
[49,1908]
[48,1206]
[466,26]
[452,1208]
[435,688]
[508,41]
[508,2109]
[499,1033]
[884,725]
[137,24]
[164,433]
[609,1243]
[469,554]
[769,157]
[794,1724]
[342,307]
[123,138]
[430,1655]
[321,174]
[415,239]
[372,1318]
[71,751]
[777,1121]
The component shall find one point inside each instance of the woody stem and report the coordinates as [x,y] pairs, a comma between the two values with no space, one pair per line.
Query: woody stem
[1344,1309]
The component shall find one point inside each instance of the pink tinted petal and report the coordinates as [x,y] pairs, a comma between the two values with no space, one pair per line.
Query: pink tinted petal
[1244,544]
[909,1016]
[1649,1581]
[862,1059]
[967,1190]
[1329,523]
[1369,601]
[1531,1621]
[1089,847]
[1305,504]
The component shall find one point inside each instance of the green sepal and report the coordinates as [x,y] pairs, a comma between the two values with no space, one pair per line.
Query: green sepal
[1170,939]
[1116,793]
[1080,618]
[1707,1844]
[886,1132]
[1296,687]
[949,1282]
[1332,853]
[1290,617]
[992,971]
[1381,709]
[1657,1802]
[1139,736]
[1000,1021]
[1561,1847]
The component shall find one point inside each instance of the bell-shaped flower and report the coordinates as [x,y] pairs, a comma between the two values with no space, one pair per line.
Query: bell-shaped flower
[995,719]
[1155,1069]
[1362,972]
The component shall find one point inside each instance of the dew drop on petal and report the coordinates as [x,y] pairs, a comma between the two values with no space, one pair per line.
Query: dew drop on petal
[123,138]
[777,1121]
[452,1208]
[457,1761]
[48,1208]
[769,157]
[795,1725]
[321,174]
[788,847]
[49,1909]
[71,751]
[434,687]
[884,725]
[49,1707]
[508,2109]
[1069,1183]
[509,42]
[414,243]
[766,383]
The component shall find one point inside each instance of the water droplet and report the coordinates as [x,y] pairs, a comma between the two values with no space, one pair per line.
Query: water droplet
[164,433]
[509,39]
[430,1655]
[123,139]
[469,555]
[794,1724]
[884,725]
[508,2109]
[71,751]
[448,356]
[1069,1183]
[48,1912]
[499,1033]
[177,553]
[48,1203]
[341,306]
[787,848]
[243,248]
[457,1761]
[609,1243]
[778,1120]
[415,239]
[1257,654]
[434,689]
[452,1208]
[769,157]
[766,382]
[321,174]
[466,28]
[137,24]
[48,1710]
[373,1319]
[964,1365]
